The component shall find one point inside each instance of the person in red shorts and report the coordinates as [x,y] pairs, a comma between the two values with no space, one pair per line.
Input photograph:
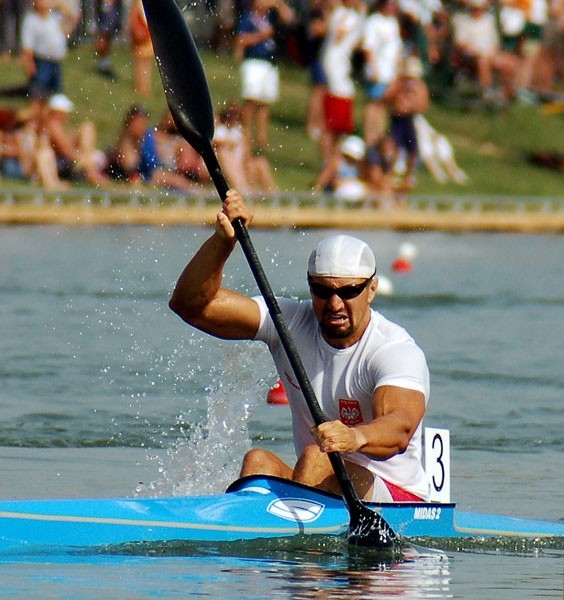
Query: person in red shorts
[344,32]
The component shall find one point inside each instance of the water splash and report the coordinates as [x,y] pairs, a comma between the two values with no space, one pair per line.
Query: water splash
[207,456]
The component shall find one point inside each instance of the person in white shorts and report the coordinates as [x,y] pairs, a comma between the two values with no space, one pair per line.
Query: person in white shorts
[369,376]
[255,46]
[382,47]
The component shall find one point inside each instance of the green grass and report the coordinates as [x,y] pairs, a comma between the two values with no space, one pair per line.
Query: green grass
[491,146]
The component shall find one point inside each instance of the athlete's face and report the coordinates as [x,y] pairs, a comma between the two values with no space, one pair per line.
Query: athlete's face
[342,307]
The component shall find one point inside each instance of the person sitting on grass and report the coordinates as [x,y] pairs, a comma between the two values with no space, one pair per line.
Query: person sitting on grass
[477,45]
[248,172]
[135,159]
[358,175]
[17,145]
[77,158]
[344,173]
[176,154]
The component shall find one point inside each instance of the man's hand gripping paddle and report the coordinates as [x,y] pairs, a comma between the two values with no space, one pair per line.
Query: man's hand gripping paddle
[189,100]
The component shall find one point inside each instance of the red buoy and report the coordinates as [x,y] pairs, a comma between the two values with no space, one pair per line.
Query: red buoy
[277,394]
[401,265]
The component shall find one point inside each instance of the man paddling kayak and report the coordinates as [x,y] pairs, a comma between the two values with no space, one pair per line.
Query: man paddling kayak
[369,376]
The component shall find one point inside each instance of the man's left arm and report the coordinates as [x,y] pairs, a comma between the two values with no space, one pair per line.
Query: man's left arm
[397,413]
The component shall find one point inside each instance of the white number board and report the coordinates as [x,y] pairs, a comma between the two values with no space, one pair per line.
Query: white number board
[437,463]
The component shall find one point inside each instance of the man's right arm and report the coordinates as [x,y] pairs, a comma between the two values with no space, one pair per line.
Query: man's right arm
[200,300]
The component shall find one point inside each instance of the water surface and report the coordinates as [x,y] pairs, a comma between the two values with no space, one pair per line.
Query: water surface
[106,393]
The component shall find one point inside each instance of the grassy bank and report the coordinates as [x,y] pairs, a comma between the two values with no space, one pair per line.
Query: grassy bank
[491,146]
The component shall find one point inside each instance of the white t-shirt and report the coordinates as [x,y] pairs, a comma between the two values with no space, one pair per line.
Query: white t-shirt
[345,380]
[343,35]
[476,34]
[538,13]
[230,138]
[44,36]
[421,11]
[383,46]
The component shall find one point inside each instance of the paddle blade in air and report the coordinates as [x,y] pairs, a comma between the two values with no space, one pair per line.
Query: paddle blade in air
[182,73]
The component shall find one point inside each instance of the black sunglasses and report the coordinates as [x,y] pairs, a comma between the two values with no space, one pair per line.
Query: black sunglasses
[347,292]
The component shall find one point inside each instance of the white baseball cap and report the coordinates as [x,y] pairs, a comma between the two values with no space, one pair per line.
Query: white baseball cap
[60,102]
[342,256]
[353,147]
[413,67]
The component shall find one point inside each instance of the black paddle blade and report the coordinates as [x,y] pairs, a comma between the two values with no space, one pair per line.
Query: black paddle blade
[367,528]
[182,73]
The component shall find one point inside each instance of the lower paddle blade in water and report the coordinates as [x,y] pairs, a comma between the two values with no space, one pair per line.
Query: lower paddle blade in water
[368,528]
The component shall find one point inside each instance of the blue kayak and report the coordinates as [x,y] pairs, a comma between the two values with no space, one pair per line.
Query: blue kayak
[255,507]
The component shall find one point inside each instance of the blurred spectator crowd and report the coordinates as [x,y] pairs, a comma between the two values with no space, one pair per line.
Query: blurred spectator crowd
[398,55]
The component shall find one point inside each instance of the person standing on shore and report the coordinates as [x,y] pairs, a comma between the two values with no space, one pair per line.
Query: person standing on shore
[344,31]
[109,25]
[382,47]
[407,97]
[142,52]
[44,36]
[256,48]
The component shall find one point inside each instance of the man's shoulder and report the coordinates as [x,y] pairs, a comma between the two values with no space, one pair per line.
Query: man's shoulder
[298,315]
[390,343]
[388,331]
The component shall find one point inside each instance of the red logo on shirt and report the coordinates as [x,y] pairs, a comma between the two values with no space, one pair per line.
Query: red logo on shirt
[349,411]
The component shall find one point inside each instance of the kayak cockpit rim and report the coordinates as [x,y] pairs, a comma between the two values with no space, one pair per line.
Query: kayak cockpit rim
[245,483]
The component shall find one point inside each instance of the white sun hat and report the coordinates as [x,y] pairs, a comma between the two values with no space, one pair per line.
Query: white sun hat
[353,147]
[341,256]
[413,67]
[60,102]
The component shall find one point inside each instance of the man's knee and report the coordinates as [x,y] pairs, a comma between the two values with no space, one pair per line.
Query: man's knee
[254,458]
[262,462]
[313,467]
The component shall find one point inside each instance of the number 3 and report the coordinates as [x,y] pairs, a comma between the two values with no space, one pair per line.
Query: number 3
[437,438]
[437,463]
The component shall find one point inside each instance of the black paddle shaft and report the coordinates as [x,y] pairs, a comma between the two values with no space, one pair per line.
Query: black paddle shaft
[189,100]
